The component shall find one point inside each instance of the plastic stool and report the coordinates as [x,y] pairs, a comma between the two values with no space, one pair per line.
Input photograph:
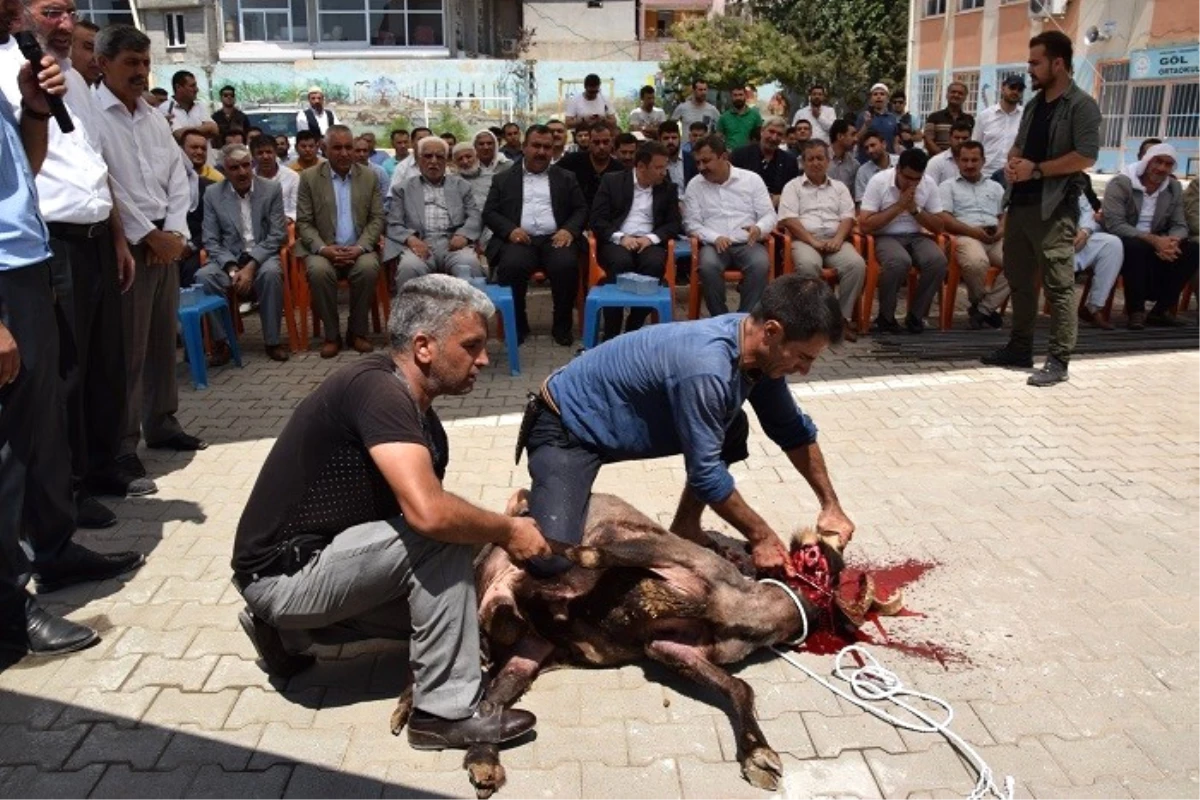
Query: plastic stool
[193,339]
[609,296]
[502,299]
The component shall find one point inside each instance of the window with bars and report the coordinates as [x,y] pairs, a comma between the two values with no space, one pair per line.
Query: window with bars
[1004,73]
[176,31]
[1145,110]
[970,5]
[933,8]
[971,81]
[382,23]
[929,89]
[1114,91]
[1183,112]
[106,12]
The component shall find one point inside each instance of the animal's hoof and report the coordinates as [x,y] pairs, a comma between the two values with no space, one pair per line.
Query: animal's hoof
[586,557]
[518,504]
[484,769]
[762,768]
[403,711]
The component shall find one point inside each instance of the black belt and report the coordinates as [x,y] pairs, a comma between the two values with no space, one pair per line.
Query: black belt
[158,223]
[71,230]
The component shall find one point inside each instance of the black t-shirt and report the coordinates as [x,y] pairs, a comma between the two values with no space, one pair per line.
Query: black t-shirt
[580,165]
[1037,144]
[775,173]
[319,478]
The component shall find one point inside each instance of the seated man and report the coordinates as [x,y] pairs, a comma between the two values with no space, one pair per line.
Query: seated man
[626,145]
[1103,253]
[349,534]
[537,213]
[819,213]
[244,227]
[668,136]
[591,163]
[944,166]
[635,214]
[307,151]
[897,203]
[878,159]
[266,159]
[843,166]
[804,132]
[339,218]
[679,389]
[973,210]
[434,221]
[730,211]
[362,156]
[767,159]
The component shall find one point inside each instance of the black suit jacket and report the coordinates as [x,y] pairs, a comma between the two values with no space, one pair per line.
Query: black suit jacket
[689,167]
[505,200]
[614,198]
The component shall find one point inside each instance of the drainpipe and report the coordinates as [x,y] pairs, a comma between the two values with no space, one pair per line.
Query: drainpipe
[909,47]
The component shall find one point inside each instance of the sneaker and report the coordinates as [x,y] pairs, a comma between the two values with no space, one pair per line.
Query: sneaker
[1008,356]
[1052,372]
[269,646]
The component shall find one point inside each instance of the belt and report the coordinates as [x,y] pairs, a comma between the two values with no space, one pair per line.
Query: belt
[535,404]
[71,230]
[159,223]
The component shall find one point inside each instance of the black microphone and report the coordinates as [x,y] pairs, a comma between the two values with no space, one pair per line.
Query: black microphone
[33,53]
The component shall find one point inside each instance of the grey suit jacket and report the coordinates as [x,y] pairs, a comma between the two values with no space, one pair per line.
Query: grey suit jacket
[1123,204]
[222,231]
[406,217]
[316,209]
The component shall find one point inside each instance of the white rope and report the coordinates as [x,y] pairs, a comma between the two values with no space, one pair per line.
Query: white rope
[803,617]
[872,683]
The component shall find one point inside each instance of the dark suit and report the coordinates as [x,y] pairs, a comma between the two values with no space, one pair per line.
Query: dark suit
[614,199]
[689,167]
[188,267]
[580,163]
[512,264]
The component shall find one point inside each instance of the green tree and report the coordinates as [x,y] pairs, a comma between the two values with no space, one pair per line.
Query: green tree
[727,52]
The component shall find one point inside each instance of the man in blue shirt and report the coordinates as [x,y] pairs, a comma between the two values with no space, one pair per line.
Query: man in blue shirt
[37,508]
[879,118]
[679,389]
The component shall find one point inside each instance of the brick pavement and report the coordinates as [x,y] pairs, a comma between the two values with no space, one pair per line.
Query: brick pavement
[1064,523]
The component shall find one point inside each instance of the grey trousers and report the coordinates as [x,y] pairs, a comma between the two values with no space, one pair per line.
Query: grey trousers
[751,259]
[323,281]
[459,263]
[268,288]
[149,313]
[384,580]
[896,254]
[846,262]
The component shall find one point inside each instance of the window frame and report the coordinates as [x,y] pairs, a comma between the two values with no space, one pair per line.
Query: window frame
[367,12]
[282,7]
[971,78]
[175,29]
[939,8]
[967,6]
[1113,110]
[919,111]
[105,16]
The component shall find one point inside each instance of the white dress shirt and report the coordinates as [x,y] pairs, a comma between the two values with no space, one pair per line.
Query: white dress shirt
[712,210]
[943,167]
[1145,221]
[146,167]
[289,183]
[323,120]
[640,219]
[979,203]
[73,182]
[404,170]
[181,118]
[537,212]
[247,219]
[882,193]
[820,122]
[996,130]
[819,207]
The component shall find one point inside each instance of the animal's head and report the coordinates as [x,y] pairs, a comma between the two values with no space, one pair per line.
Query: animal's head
[817,565]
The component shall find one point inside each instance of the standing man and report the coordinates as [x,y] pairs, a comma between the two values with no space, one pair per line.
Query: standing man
[184,111]
[678,389]
[996,127]
[939,123]
[154,205]
[339,218]
[229,115]
[590,165]
[697,108]
[36,504]
[1058,139]
[738,120]
[647,117]
[377,157]
[591,105]
[877,117]
[819,116]
[537,213]
[307,151]
[399,140]
[843,166]
[362,155]
[315,117]
[83,52]
[730,211]
[668,135]
[267,168]
[768,160]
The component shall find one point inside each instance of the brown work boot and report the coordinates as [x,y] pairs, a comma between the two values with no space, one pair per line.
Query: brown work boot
[1097,318]
[360,344]
[331,348]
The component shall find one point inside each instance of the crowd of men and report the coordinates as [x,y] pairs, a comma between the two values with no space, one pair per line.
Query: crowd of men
[151,192]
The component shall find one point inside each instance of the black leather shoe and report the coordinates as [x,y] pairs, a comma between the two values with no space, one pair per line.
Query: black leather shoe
[77,564]
[265,638]
[914,324]
[490,724]
[44,634]
[975,318]
[1008,357]
[881,325]
[1052,372]
[1163,319]
[563,338]
[180,441]
[91,513]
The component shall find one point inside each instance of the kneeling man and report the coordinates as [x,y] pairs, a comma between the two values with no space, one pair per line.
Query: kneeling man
[348,533]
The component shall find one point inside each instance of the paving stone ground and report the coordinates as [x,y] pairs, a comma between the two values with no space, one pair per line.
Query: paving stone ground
[1063,522]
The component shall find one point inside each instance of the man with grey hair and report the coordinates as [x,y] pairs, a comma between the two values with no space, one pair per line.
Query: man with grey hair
[768,159]
[244,227]
[434,220]
[349,534]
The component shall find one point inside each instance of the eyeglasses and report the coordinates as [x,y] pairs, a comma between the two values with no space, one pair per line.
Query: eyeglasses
[55,14]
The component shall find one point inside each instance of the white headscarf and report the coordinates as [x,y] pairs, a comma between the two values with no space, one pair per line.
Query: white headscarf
[498,159]
[1137,169]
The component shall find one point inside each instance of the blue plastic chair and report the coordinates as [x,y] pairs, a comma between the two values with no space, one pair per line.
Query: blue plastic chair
[602,296]
[193,337]
[502,299]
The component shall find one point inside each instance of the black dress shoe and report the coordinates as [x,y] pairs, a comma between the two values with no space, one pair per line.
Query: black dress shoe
[881,325]
[180,441]
[914,324]
[131,464]
[1008,357]
[1163,319]
[563,338]
[119,483]
[269,646]
[91,513]
[490,724]
[77,564]
[45,634]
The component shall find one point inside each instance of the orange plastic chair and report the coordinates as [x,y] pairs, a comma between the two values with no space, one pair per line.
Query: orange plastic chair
[867,301]
[830,276]
[731,275]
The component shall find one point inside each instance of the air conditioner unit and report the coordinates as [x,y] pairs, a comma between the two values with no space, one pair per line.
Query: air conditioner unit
[509,47]
[1047,8]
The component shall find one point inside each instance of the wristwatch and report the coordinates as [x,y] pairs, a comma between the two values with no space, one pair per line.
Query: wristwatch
[1037,172]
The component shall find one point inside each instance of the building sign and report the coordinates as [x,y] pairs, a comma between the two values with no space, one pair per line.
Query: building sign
[1171,62]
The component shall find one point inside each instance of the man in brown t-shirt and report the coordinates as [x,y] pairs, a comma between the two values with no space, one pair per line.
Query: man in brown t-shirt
[348,533]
